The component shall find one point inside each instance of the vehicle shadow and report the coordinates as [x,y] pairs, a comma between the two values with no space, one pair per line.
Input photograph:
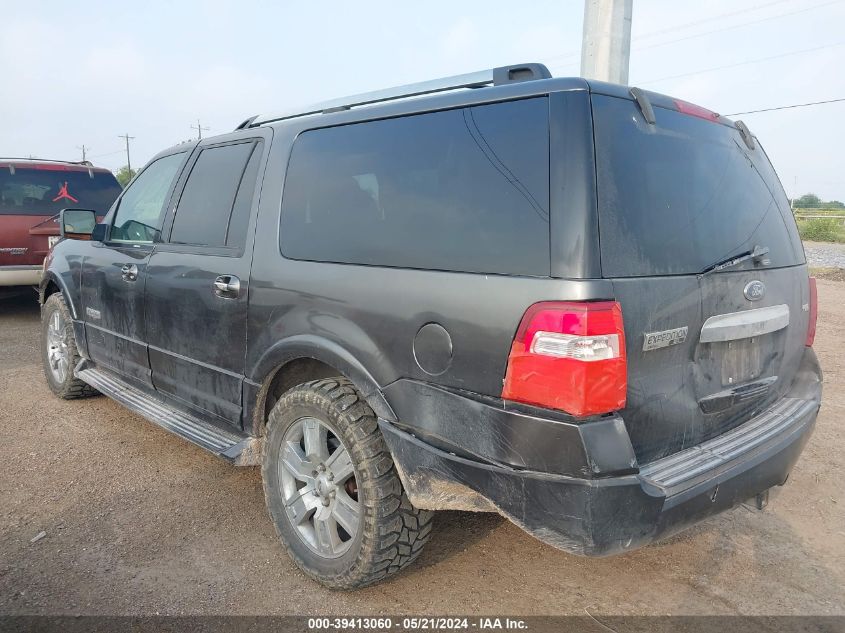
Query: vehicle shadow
[19,316]
[15,302]
[744,543]
[454,532]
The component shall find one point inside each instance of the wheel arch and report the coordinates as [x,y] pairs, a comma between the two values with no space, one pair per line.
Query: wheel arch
[301,359]
[51,284]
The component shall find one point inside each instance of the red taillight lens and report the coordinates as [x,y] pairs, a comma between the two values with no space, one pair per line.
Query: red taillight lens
[814,313]
[695,110]
[569,356]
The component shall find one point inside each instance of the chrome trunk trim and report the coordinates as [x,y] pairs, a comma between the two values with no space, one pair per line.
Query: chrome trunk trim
[744,324]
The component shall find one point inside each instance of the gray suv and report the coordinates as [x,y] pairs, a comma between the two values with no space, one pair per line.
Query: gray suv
[582,306]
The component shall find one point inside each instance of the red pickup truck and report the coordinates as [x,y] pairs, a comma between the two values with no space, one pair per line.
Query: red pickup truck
[32,192]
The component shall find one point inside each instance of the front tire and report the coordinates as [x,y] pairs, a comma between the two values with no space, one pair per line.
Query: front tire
[59,354]
[332,489]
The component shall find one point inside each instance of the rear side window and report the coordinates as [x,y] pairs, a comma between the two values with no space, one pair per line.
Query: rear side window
[461,190]
[204,213]
[681,195]
[47,189]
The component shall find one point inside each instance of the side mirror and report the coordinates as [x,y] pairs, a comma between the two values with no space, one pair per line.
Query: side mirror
[77,224]
[99,233]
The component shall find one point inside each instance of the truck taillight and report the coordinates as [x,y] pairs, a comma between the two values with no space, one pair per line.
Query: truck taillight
[814,313]
[569,356]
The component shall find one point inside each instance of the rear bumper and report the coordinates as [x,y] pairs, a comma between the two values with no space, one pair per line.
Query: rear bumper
[598,516]
[20,275]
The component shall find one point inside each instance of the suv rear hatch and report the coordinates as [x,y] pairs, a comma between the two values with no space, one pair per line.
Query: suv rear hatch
[708,346]
[31,193]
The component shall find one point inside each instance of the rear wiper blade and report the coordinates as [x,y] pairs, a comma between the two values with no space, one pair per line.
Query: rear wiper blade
[757,253]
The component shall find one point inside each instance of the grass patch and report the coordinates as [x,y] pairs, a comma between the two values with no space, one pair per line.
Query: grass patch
[834,274]
[822,230]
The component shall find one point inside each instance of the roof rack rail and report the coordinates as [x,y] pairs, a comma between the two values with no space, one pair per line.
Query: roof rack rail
[493,76]
[86,163]
[246,123]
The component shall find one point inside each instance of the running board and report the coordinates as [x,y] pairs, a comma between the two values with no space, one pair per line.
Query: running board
[236,448]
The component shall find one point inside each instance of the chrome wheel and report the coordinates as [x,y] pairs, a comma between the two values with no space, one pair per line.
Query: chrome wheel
[58,355]
[319,487]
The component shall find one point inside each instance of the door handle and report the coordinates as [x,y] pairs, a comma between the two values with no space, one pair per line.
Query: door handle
[129,272]
[227,286]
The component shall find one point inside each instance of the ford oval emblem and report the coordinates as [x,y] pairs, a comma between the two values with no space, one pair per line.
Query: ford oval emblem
[754,290]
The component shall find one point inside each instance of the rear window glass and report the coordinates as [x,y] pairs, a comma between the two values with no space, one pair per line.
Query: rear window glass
[681,195]
[462,190]
[46,190]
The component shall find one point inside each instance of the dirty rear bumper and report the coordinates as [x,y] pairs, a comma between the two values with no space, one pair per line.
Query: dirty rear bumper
[599,516]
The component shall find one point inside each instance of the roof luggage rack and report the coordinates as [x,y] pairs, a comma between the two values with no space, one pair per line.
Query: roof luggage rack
[85,163]
[491,77]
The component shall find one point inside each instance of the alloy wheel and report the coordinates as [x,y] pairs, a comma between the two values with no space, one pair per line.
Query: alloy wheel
[319,487]
[57,347]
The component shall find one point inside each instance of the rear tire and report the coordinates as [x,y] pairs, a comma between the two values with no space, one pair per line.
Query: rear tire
[325,459]
[59,354]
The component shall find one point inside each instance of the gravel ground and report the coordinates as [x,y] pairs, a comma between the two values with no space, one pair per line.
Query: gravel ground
[825,255]
[137,521]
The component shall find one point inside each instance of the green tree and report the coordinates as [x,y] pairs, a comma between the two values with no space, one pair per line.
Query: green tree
[124,175]
[808,201]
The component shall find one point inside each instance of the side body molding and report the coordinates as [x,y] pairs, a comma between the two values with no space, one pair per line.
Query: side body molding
[744,324]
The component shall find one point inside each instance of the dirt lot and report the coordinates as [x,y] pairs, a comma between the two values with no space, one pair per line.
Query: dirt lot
[138,521]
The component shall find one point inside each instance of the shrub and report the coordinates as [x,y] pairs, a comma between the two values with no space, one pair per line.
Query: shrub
[822,230]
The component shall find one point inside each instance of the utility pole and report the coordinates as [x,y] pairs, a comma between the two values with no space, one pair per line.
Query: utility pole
[606,43]
[127,138]
[199,128]
[84,149]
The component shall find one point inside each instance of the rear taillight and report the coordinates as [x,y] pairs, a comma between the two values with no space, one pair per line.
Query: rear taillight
[569,356]
[814,313]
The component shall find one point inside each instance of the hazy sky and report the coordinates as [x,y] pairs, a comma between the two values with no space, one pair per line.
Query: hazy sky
[78,73]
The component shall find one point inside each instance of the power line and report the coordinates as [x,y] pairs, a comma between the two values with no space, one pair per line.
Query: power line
[705,33]
[730,14]
[117,151]
[787,107]
[745,63]
[737,26]
[681,27]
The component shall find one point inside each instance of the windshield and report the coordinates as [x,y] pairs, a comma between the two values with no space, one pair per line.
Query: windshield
[682,195]
[47,189]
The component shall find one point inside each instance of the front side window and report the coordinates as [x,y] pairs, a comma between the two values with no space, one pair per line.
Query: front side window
[140,212]
[461,190]
[204,215]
